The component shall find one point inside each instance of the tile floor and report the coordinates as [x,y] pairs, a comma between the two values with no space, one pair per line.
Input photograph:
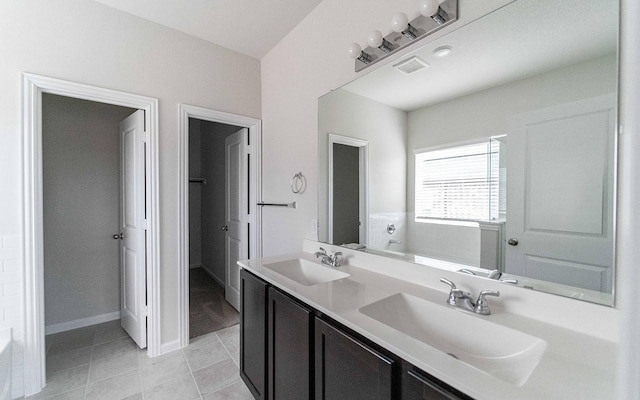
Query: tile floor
[102,362]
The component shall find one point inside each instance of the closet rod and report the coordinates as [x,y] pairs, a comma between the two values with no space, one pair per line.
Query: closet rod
[198,180]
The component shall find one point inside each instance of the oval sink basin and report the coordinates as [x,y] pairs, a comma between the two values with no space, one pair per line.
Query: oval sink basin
[305,272]
[505,353]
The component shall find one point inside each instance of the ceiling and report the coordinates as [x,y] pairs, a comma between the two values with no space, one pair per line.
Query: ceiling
[251,27]
[525,38]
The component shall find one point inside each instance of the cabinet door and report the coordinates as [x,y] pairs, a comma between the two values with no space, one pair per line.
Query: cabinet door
[418,385]
[346,368]
[253,334]
[289,348]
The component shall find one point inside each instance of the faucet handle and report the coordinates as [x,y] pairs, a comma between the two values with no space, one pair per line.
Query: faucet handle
[455,293]
[482,306]
[336,258]
[448,282]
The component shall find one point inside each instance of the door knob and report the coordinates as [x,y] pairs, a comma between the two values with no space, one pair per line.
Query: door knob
[118,236]
[512,242]
[224,228]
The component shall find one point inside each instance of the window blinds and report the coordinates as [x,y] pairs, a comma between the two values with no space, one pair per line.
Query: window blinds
[458,183]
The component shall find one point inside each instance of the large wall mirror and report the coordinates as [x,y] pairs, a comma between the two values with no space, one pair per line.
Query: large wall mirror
[498,158]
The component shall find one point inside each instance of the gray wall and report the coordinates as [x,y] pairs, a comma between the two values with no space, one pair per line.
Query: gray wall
[209,150]
[81,207]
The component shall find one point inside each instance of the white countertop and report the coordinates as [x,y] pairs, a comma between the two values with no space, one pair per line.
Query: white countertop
[574,365]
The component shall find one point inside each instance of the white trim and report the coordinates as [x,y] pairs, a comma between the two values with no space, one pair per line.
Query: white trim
[255,194]
[363,146]
[81,323]
[628,214]
[32,225]
[170,346]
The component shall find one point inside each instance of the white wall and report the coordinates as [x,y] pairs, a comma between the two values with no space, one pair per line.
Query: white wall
[306,64]
[84,41]
[81,174]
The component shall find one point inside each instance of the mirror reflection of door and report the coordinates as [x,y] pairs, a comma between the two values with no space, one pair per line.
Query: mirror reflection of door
[346,190]
[348,199]
[560,184]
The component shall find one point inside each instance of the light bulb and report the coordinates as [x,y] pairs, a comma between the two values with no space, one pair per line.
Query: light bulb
[429,7]
[399,22]
[354,50]
[375,39]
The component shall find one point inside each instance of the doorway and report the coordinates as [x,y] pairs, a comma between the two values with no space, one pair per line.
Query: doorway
[348,181]
[217,238]
[81,210]
[219,220]
[33,226]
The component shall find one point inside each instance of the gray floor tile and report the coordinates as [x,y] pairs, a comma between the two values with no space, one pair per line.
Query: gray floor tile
[214,377]
[111,366]
[108,332]
[64,381]
[120,346]
[137,396]
[68,359]
[115,388]
[205,350]
[72,340]
[230,337]
[235,391]
[76,394]
[180,387]
[155,371]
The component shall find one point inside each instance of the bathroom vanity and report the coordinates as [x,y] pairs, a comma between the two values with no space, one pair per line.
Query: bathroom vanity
[376,328]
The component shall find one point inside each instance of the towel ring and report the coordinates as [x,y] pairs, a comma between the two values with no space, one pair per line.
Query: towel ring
[298,183]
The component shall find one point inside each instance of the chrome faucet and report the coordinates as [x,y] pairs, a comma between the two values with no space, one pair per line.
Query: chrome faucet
[332,261]
[461,299]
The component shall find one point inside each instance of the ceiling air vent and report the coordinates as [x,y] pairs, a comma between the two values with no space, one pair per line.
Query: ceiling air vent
[411,65]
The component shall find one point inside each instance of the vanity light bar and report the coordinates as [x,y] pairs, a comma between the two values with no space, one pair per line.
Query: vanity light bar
[435,15]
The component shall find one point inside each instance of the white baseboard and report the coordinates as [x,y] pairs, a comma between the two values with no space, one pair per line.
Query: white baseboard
[81,323]
[169,347]
[215,278]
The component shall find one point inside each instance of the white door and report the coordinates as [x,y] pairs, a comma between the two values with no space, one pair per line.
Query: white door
[236,212]
[133,228]
[560,181]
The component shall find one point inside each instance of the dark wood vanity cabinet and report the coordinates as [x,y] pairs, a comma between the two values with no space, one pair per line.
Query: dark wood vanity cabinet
[346,368]
[290,333]
[253,333]
[418,385]
[289,351]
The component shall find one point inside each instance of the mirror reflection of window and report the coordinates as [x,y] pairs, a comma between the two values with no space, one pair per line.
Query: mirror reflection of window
[459,183]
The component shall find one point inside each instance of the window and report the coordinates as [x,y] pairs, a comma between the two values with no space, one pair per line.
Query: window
[460,183]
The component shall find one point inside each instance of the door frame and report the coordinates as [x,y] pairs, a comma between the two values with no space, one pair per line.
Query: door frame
[33,87]
[363,176]
[255,189]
